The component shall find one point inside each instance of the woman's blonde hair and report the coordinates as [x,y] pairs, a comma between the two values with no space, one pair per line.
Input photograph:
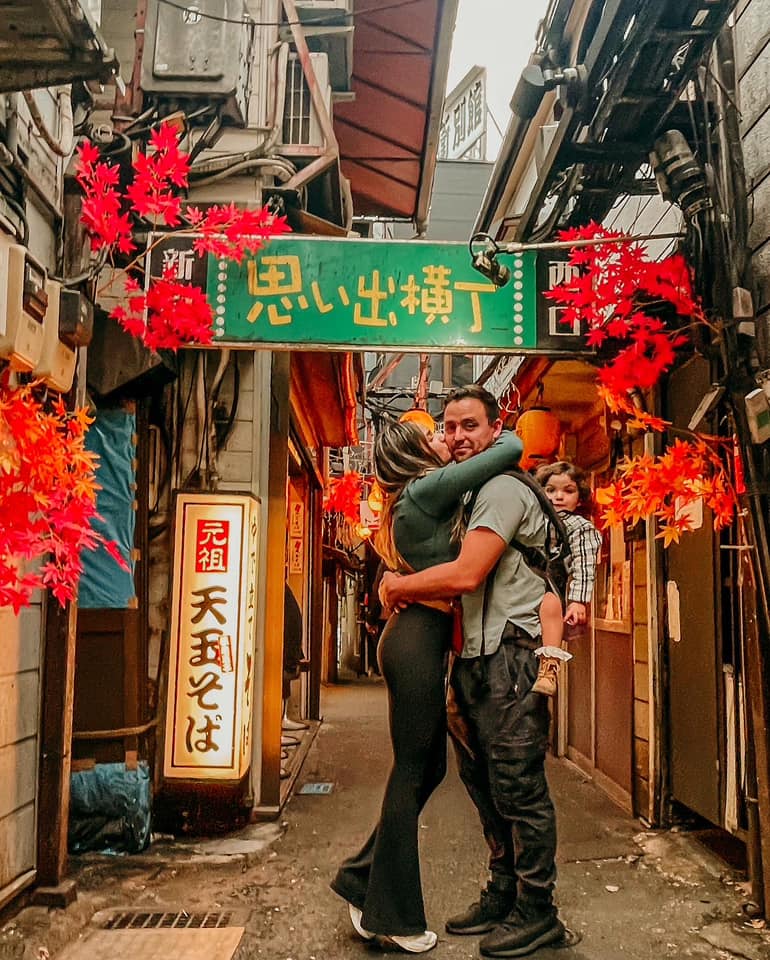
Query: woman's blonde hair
[401,454]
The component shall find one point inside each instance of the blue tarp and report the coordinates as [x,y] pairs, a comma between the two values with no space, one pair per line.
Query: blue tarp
[110,807]
[103,583]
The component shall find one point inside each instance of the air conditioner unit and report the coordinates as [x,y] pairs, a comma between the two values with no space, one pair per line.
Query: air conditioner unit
[328,28]
[301,125]
[22,306]
[57,361]
[199,54]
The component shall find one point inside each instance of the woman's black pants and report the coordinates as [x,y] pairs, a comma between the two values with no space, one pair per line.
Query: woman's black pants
[383,878]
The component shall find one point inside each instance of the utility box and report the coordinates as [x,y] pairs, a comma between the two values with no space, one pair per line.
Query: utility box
[198,54]
[56,366]
[23,303]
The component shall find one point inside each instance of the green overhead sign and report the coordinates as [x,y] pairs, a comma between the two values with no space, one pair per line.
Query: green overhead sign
[370,293]
[374,294]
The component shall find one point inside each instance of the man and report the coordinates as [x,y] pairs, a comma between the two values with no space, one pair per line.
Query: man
[498,725]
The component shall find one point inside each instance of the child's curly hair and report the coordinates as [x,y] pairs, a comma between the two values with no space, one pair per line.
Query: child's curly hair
[585,505]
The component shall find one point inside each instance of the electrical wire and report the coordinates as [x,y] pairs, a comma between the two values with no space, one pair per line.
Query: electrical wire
[62,143]
[181,418]
[271,164]
[221,441]
[331,20]
[87,274]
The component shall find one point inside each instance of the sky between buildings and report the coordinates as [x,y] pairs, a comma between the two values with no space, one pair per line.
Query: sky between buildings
[498,35]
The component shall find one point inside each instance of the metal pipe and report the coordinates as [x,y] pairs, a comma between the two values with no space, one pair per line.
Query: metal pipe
[421,393]
[224,359]
[201,412]
[331,147]
[66,132]
[517,246]
[269,164]
[382,375]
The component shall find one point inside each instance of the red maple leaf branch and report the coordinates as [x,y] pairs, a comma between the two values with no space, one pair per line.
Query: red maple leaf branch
[625,300]
[171,313]
[47,497]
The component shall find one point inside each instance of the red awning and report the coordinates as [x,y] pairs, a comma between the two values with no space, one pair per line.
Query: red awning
[388,135]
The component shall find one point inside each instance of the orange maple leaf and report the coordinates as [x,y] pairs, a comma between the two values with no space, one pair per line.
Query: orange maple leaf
[669,533]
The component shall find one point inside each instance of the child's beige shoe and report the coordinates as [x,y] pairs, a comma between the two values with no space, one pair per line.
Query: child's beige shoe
[547,676]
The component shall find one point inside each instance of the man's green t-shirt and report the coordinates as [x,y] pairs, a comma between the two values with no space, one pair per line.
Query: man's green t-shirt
[510,509]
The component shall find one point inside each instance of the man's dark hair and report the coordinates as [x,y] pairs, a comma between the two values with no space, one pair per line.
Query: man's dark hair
[475,392]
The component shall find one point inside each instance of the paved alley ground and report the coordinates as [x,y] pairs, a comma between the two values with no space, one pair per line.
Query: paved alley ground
[630,893]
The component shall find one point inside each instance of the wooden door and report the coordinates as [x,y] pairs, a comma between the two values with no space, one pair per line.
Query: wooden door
[692,635]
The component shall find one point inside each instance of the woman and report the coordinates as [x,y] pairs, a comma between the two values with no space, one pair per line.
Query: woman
[422,492]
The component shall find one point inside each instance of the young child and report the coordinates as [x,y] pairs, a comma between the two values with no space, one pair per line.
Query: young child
[567,488]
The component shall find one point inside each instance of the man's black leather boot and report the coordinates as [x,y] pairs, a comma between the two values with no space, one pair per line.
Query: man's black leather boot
[529,927]
[483,915]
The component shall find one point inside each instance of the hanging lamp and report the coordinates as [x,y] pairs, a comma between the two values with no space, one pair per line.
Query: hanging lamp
[540,432]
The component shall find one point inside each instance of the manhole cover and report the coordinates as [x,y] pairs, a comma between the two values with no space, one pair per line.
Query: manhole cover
[316,788]
[158,935]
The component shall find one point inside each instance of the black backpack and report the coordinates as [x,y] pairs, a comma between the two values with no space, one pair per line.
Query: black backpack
[553,562]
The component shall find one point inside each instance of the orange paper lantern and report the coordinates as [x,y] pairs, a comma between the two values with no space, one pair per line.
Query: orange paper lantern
[540,432]
[420,417]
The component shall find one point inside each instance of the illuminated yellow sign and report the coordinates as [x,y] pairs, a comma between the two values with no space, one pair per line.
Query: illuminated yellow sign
[211,665]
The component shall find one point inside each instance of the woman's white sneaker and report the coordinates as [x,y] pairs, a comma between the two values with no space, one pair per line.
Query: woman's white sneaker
[419,943]
[355,919]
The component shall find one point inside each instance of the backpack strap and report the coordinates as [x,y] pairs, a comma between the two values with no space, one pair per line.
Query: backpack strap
[530,554]
[551,514]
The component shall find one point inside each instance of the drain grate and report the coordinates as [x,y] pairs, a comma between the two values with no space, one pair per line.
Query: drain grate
[180,920]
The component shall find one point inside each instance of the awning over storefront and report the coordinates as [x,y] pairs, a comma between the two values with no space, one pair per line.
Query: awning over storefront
[388,135]
[47,42]
[327,384]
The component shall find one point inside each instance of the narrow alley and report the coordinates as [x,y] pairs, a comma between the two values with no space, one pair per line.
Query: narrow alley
[314,310]
[628,892]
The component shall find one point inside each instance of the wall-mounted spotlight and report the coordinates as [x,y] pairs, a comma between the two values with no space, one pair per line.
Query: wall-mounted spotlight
[536,79]
[484,259]
[679,176]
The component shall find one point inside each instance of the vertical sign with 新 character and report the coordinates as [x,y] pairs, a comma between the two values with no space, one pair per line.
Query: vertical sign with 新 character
[209,703]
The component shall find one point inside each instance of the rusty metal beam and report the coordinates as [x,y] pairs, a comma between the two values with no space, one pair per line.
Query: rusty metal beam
[380,377]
